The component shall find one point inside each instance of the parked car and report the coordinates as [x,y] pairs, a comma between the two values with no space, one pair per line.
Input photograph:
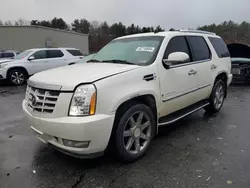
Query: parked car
[8,54]
[132,87]
[241,69]
[29,62]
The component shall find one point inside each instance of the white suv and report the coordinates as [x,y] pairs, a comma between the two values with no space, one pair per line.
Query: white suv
[29,62]
[130,88]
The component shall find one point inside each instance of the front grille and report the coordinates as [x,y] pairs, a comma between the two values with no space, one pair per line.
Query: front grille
[41,100]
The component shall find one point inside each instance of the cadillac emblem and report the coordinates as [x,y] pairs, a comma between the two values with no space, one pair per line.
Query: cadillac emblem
[34,99]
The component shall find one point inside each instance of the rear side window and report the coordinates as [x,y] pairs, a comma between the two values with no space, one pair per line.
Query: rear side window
[199,48]
[54,53]
[176,44]
[7,54]
[220,47]
[75,52]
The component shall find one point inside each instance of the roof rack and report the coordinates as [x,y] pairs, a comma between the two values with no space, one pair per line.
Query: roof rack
[197,31]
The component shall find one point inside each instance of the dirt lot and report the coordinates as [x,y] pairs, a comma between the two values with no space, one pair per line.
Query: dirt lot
[199,151]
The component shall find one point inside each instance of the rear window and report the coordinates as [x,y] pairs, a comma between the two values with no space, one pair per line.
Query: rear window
[220,47]
[54,53]
[7,54]
[199,48]
[75,52]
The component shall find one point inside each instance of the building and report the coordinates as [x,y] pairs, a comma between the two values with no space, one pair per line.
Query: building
[25,37]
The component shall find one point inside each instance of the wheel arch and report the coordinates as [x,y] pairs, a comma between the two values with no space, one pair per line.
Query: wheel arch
[147,99]
[17,67]
[222,76]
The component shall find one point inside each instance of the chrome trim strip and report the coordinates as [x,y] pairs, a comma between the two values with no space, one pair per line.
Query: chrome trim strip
[174,120]
[190,63]
[196,89]
[44,86]
[37,131]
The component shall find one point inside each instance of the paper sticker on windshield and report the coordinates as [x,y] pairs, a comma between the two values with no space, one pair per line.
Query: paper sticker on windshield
[145,49]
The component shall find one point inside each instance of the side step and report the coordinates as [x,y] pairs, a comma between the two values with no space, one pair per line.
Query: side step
[175,116]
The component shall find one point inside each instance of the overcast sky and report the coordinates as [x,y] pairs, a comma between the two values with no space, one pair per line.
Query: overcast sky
[167,13]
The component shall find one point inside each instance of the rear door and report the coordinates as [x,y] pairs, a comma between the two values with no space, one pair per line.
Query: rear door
[75,55]
[202,58]
[55,59]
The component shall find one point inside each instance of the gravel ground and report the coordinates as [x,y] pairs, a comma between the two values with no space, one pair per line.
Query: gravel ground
[198,151]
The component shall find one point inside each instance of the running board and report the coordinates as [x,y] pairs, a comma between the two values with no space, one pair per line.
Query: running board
[175,116]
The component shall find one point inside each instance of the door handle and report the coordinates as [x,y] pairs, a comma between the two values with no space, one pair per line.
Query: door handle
[192,72]
[213,67]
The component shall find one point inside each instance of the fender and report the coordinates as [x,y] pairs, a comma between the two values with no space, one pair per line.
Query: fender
[134,95]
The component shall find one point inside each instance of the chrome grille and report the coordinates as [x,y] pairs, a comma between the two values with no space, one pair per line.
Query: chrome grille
[41,100]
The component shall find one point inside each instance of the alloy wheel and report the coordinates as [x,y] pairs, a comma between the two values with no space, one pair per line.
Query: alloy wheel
[219,96]
[137,132]
[17,77]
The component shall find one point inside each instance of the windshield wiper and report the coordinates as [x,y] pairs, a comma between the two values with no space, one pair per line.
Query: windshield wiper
[118,61]
[93,60]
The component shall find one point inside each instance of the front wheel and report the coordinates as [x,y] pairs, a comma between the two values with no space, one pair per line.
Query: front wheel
[135,132]
[217,97]
[17,77]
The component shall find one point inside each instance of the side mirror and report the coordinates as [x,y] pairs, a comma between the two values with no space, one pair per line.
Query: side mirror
[175,58]
[31,58]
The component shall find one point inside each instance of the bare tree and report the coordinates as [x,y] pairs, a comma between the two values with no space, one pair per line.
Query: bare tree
[8,23]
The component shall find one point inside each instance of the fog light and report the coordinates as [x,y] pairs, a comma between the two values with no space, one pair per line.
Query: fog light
[76,144]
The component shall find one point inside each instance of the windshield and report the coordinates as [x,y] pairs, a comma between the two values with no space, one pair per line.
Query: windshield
[86,58]
[22,54]
[134,50]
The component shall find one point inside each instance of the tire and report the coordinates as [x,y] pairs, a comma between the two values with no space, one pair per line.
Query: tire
[134,132]
[17,77]
[217,97]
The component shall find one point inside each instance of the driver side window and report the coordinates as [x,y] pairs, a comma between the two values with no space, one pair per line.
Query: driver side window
[40,54]
[177,44]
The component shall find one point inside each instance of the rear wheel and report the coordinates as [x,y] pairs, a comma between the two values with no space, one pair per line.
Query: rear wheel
[17,77]
[217,97]
[135,132]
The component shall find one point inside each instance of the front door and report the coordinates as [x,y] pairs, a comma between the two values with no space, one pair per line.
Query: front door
[178,84]
[38,63]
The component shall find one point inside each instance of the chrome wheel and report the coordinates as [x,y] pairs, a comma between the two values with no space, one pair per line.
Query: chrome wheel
[219,96]
[137,133]
[17,77]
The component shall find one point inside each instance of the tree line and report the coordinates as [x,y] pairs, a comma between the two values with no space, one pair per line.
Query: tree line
[100,33]
[230,31]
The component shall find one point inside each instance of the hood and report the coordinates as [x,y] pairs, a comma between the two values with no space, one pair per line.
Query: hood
[237,61]
[68,77]
[5,60]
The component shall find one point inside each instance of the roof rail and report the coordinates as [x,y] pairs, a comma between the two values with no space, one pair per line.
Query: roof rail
[196,31]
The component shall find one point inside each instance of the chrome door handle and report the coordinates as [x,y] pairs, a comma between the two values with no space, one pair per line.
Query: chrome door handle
[213,67]
[192,72]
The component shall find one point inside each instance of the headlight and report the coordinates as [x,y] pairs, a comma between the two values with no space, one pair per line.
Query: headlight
[2,65]
[83,102]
